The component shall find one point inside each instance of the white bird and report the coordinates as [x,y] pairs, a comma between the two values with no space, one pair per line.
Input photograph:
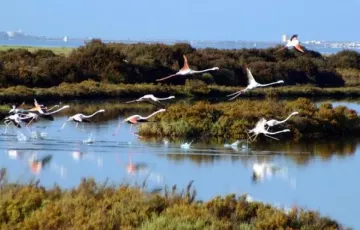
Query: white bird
[252,84]
[260,128]
[150,98]
[81,118]
[134,119]
[273,122]
[185,70]
[293,42]
[15,119]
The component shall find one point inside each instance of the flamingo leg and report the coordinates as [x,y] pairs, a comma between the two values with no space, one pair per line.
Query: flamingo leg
[79,128]
[271,137]
[117,129]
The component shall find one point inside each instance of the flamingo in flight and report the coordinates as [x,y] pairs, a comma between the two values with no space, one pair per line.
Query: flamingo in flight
[150,98]
[260,128]
[293,42]
[81,118]
[252,84]
[273,122]
[185,70]
[134,119]
[34,116]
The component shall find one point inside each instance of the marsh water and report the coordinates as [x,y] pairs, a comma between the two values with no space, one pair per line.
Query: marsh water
[319,174]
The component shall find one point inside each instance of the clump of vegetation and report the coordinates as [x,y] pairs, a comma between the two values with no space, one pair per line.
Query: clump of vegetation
[234,119]
[144,63]
[99,206]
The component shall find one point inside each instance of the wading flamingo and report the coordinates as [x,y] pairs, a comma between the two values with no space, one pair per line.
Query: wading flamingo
[185,70]
[252,84]
[273,122]
[81,118]
[260,128]
[150,98]
[293,42]
[134,119]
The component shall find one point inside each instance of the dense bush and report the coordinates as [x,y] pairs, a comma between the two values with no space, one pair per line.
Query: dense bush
[234,119]
[100,206]
[144,63]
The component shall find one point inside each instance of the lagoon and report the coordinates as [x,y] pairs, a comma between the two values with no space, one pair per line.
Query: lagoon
[318,174]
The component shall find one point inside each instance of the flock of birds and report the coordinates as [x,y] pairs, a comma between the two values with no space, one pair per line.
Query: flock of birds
[17,116]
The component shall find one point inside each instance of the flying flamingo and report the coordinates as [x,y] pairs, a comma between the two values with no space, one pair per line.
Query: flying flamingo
[134,119]
[293,42]
[273,122]
[17,109]
[34,116]
[185,70]
[252,84]
[260,128]
[81,118]
[150,98]
[15,119]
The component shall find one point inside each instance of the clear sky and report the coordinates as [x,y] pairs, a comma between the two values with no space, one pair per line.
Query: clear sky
[259,20]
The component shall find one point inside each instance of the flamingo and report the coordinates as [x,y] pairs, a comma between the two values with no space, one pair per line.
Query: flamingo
[293,42]
[252,84]
[150,98]
[260,128]
[134,119]
[273,122]
[15,119]
[81,118]
[185,70]
[34,116]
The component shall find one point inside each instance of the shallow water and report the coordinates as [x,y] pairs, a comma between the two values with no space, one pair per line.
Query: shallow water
[320,175]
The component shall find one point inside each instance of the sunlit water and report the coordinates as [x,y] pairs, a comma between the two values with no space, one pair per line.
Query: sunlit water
[321,175]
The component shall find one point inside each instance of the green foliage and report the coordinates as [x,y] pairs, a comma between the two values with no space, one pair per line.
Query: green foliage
[100,206]
[143,63]
[234,119]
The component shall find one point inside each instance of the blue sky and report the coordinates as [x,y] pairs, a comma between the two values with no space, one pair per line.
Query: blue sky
[259,20]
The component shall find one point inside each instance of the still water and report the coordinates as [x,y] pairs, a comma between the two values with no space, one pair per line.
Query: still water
[320,175]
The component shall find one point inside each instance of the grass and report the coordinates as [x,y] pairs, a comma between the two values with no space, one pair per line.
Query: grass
[57,50]
[93,205]
[91,89]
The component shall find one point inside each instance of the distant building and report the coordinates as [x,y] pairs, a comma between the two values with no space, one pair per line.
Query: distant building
[284,39]
[65,38]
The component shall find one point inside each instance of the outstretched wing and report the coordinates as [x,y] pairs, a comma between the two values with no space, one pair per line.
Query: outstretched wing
[161,79]
[186,65]
[249,75]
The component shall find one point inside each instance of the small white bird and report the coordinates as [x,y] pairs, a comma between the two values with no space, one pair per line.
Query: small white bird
[252,84]
[150,98]
[293,42]
[81,118]
[185,70]
[186,145]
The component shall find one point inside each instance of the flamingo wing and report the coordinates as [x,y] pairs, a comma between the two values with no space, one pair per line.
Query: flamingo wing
[186,65]
[251,79]
[299,48]
[161,79]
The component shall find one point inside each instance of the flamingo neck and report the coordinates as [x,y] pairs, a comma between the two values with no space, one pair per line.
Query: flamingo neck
[152,114]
